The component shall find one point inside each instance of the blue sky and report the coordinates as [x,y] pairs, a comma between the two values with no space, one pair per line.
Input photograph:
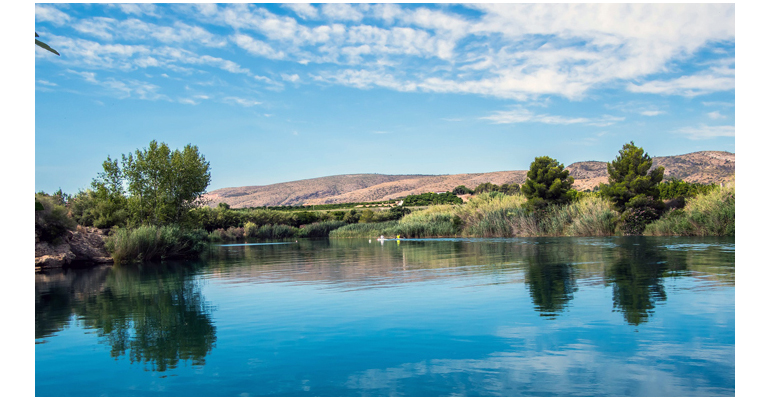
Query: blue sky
[273,93]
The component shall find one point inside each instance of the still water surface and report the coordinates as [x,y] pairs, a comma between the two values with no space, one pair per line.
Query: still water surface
[619,316]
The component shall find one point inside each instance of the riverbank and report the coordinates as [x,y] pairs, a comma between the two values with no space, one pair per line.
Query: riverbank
[489,215]
[81,246]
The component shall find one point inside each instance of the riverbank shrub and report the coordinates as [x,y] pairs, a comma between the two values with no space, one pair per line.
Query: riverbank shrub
[591,216]
[149,242]
[364,230]
[640,211]
[709,214]
[547,183]
[629,177]
[53,221]
[319,229]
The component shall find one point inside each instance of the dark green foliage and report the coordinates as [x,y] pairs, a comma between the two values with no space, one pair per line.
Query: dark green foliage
[547,183]
[303,218]
[97,208]
[629,177]
[486,187]
[154,185]
[429,199]
[367,216]
[319,229]
[510,188]
[53,221]
[462,190]
[709,214]
[677,188]
[163,185]
[640,211]
[397,212]
[352,216]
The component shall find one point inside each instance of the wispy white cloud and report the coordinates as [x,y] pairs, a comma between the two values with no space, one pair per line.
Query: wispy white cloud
[651,113]
[688,86]
[522,115]
[135,29]
[137,9]
[241,101]
[718,104]
[341,12]
[511,51]
[303,10]
[290,78]
[256,47]
[715,115]
[703,131]
[51,14]
[128,88]
[635,107]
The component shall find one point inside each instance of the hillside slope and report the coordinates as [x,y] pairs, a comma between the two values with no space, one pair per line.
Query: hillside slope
[701,167]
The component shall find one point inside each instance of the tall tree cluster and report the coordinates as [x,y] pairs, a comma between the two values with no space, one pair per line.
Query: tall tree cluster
[155,185]
[630,177]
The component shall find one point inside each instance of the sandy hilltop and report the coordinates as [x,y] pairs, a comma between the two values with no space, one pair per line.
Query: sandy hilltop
[701,167]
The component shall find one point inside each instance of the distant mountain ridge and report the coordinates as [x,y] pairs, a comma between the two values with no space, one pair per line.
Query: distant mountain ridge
[701,167]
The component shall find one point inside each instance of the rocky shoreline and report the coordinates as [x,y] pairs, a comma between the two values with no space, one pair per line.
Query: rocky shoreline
[83,246]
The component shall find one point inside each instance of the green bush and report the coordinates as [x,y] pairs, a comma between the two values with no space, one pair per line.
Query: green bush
[461,190]
[52,222]
[630,176]
[677,188]
[639,212]
[427,199]
[250,229]
[319,229]
[709,214]
[547,183]
[155,243]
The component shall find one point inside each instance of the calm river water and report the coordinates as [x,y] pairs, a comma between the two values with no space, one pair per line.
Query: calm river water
[619,316]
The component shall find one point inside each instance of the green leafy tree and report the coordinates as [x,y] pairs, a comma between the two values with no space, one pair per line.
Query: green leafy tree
[486,187]
[547,183]
[163,185]
[462,190]
[629,177]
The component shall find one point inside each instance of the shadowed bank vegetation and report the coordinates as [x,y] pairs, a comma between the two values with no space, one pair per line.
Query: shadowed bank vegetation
[710,214]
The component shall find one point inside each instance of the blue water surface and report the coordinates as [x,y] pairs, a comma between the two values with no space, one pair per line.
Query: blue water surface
[619,316]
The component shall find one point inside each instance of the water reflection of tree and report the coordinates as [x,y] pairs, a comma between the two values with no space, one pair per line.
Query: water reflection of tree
[551,284]
[156,314]
[636,276]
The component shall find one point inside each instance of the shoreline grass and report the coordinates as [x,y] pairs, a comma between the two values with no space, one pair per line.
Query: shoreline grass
[710,214]
[148,242]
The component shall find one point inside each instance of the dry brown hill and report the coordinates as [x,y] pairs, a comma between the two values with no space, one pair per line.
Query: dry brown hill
[702,167]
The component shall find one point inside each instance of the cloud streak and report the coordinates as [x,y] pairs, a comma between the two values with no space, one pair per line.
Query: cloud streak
[521,115]
[703,132]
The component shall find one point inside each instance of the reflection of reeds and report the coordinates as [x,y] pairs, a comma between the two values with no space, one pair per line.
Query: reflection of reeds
[711,214]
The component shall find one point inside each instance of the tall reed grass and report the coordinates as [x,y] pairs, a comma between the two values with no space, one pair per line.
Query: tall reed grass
[364,230]
[153,243]
[319,229]
[710,214]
